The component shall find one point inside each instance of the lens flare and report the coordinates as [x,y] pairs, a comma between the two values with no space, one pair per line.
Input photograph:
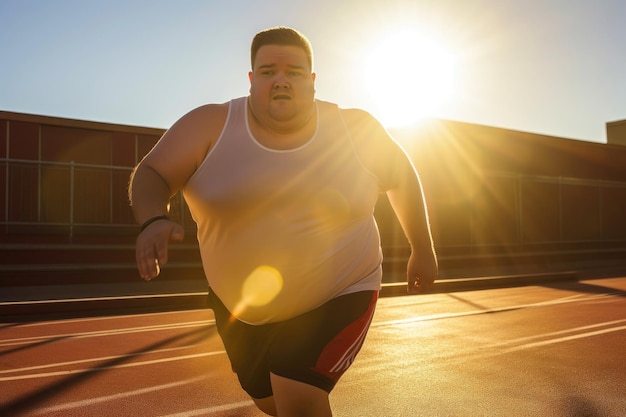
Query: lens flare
[261,286]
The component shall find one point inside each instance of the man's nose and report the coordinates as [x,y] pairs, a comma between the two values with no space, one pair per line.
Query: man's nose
[281,81]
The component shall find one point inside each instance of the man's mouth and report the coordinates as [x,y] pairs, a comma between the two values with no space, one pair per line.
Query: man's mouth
[281,97]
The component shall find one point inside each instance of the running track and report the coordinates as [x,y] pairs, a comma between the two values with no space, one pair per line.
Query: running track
[554,350]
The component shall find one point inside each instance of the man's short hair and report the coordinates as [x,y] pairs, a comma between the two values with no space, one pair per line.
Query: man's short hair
[281,35]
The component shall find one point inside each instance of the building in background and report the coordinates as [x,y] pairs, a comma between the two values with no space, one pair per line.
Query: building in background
[524,200]
[616,132]
[500,201]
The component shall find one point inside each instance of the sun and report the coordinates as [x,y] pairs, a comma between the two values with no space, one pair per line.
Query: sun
[408,77]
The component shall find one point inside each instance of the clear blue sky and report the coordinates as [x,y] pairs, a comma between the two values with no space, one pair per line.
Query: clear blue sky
[554,67]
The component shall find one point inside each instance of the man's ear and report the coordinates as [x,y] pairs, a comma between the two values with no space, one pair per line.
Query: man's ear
[250,76]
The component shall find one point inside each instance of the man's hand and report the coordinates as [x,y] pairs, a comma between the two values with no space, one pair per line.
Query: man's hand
[152,246]
[421,272]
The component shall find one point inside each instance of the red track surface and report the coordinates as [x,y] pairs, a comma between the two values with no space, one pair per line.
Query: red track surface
[536,350]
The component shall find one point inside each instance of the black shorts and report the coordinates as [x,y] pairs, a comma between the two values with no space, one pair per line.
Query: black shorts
[315,348]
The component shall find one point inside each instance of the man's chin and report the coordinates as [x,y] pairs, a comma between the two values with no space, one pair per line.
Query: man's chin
[283,111]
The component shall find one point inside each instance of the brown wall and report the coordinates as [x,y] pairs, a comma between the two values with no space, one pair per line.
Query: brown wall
[61,177]
[486,187]
[502,189]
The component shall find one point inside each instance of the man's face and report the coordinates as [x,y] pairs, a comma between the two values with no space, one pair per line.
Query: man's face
[282,85]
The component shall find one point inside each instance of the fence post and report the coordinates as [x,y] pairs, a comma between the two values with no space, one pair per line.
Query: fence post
[71,201]
[519,184]
[560,209]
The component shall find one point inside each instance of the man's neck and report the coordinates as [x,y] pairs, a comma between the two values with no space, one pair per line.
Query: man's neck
[276,134]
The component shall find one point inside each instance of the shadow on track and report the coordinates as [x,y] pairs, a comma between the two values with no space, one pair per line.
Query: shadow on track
[31,400]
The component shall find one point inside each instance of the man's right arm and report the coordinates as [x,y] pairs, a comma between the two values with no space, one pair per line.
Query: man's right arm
[164,172]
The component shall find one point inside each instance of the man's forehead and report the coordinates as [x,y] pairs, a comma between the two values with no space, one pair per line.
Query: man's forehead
[269,55]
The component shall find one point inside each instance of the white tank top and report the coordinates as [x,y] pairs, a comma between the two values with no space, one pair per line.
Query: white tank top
[283,231]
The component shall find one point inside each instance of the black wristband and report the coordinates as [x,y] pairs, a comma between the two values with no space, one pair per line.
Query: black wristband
[152,220]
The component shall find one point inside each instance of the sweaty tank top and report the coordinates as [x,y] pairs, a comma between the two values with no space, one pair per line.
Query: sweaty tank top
[283,231]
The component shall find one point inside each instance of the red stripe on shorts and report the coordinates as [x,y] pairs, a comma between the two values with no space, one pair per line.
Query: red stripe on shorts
[341,351]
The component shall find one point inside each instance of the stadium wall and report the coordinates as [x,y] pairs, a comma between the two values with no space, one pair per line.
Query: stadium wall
[498,199]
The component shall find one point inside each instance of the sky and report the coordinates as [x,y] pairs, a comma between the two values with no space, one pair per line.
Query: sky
[553,67]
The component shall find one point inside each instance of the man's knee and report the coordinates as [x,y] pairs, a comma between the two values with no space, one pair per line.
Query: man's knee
[267,405]
[294,398]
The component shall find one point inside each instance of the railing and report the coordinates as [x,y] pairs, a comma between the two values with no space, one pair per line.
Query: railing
[499,209]
[494,211]
[562,209]
[62,197]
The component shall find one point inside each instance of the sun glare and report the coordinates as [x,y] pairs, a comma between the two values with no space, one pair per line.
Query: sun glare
[261,286]
[408,77]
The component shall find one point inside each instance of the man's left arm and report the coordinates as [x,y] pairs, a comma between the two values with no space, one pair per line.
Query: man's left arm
[407,200]
[399,179]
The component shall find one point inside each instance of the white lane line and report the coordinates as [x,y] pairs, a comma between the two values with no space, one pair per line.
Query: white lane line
[563,339]
[557,333]
[116,397]
[89,360]
[410,320]
[212,410]
[121,297]
[486,351]
[110,332]
[500,348]
[102,318]
[105,368]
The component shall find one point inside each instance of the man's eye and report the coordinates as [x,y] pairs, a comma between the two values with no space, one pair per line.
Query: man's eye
[294,74]
[267,73]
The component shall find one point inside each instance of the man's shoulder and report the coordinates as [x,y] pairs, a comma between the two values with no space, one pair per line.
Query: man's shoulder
[204,123]
[357,115]
[210,109]
[360,122]
[211,114]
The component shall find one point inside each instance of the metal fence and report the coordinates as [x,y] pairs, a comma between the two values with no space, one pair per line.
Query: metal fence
[499,208]
[526,209]
[67,197]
